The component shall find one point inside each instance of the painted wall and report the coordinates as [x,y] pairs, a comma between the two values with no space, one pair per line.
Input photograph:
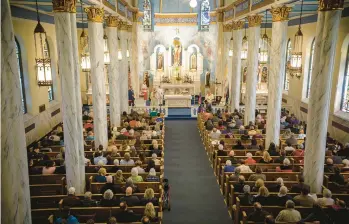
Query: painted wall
[175,6]
[296,95]
[36,95]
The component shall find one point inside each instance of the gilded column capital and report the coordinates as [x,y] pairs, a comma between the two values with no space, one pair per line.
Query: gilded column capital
[220,15]
[129,27]
[238,25]
[64,6]
[95,14]
[123,25]
[112,21]
[280,13]
[328,5]
[254,20]
[227,27]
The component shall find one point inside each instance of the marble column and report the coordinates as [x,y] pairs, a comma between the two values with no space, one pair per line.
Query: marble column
[219,71]
[15,195]
[329,16]
[134,61]
[276,72]
[66,66]
[78,103]
[254,36]
[236,65]
[113,70]
[123,69]
[96,44]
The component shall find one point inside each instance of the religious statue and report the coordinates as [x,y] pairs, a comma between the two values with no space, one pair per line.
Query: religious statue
[146,79]
[264,74]
[160,62]
[159,95]
[244,75]
[177,52]
[207,79]
[193,62]
[144,91]
[209,97]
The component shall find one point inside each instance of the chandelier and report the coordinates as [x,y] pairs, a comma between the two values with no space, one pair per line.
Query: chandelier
[127,51]
[85,54]
[42,59]
[295,67]
[263,50]
[244,46]
[119,50]
[193,3]
[106,50]
[230,53]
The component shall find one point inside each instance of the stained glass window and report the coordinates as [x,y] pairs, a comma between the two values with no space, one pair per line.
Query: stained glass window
[310,69]
[205,15]
[21,79]
[345,94]
[288,58]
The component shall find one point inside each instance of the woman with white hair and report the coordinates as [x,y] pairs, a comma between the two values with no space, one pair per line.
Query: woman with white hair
[155,159]
[228,167]
[345,168]
[326,200]
[134,175]
[249,160]
[277,186]
[152,176]
[127,160]
[286,167]
[144,135]
[114,151]
[107,200]
[246,199]
[154,135]
[282,196]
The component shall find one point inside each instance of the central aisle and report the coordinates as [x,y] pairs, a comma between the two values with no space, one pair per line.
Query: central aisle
[195,195]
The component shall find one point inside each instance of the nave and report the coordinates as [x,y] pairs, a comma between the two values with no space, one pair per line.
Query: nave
[195,195]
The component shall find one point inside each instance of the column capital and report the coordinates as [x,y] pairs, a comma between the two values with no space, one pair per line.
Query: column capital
[280,13]
[95,14]
[227,27]
[123,25]
[328,5]
[112,21]
[254,20]
[238,25]
[129,27]
[64,6]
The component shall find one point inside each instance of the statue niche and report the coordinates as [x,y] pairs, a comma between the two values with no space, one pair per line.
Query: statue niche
[160,60]
[176,52]
[193,65]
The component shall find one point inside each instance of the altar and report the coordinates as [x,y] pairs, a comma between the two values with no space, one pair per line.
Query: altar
[178,100]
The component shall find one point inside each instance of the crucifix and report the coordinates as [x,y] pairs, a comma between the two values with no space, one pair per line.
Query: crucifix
[177,31]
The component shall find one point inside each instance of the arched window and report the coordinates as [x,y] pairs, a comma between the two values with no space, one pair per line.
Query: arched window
[21,79]
[310,68]
[345,92]
[47,55]
[288,58]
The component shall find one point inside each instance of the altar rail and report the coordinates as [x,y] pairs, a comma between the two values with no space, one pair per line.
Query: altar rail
[148,109]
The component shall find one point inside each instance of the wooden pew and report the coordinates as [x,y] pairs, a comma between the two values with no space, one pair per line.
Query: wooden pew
[47,179]
[95,188]
[47,189]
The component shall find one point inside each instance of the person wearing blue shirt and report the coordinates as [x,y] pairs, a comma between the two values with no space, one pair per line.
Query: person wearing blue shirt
[131,96]
[228,167]
[99,157]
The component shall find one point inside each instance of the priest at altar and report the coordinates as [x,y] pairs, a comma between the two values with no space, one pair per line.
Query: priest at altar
[209,97]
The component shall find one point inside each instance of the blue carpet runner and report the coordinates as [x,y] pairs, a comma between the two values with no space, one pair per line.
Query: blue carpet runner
[179,114]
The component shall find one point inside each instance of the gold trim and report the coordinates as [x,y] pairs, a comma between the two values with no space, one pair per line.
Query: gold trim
[112,21]
[176,24]
[280,13]
[175,15]
[227,27]
[329,5]
[160,7]
[123,25]
[220,16]
[129,28]
[254,20]
[64,6]
[108,4]
[238,25]
[95,14]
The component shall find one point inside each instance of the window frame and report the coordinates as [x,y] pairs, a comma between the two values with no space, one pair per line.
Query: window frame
[21,75]
[287,84]
[50,93]
[345,83]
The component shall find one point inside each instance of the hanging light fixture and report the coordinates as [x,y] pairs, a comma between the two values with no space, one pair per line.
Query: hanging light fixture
[263,50]
[230,53]
[193,3]
[295,68]
[244,46]
[106,50]
[85,54]
[42,59]
[119,50]
[127,51]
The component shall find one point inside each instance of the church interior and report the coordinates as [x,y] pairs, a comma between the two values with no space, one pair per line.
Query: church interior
[174,111]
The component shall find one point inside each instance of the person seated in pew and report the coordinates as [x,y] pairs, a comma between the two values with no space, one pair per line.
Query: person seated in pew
[282,197]
[263,196]
[249,160]
[154,157]
[126,215]
[326,200]
[88,201]
[71,200]
[244,168]
[101,177]
[232,157]
[239,186]
[152,176]
[49,168]
[297,188]
[289,148]
[337,177]
[336,159]
[35,153]
[155,148]
[241,128]
[145,220]
[317,215]
[289,214]
[339,212]
[32,169]
[99,157]
[257,175]
[63,217]
[235,175]
[258,184]
[142,158]
[253,144]
[245,136]
[286,167]
[149,197]
[215,134]
[228,166]
[258,215]
[131,200]
[127,160]
[266,158]
[90,136]
[246,199]
[252,131]
[220,126]
[110,186]
[329,168]
[272,149]
[281,158]
[108,199]
[238,145]
[276,187]
[345,168]
[150,212]
[260,151]
[151,164]
[269,219]
[134,175]
[90,221]
[304,199]
[138,166]
[119,178]
[292,140]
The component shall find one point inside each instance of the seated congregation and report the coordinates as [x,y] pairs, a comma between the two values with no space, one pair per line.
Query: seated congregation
[124,182]
[267,185]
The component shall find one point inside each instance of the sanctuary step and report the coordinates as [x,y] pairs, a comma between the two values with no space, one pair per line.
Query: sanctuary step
[179,114]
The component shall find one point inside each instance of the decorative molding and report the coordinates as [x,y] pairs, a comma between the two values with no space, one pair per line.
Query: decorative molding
[254,20]
[108,4]
[112,21]
[227,27]
[123,25]
[175,18]
[340,126]
[238,25]
[242,7]
[54,113]
[280,13]
[303,109]
[129,28]
[64,6]
[284,100]
[29,128]
[328,5]
[95,14]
